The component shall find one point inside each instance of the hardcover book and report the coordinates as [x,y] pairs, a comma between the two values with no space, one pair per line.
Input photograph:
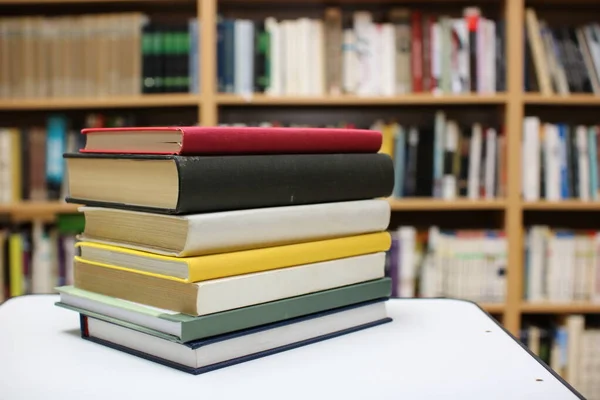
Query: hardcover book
[202,268]
[216,295]
[209,354]
[182,328]
[194,184]
[226,231]
[190,140]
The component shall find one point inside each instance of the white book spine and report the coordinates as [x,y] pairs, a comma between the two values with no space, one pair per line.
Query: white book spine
[490,164]
[350,62]
[552,161]
[388,51]
[240,291]
[531,160]
[583,162]
[475,162]
[491,57]
[407,236]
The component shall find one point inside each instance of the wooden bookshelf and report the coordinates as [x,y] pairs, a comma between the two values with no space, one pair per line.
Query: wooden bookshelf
[560,308]
[565,205]
[345,100]
[425,204]
[145,101]
[43,210]
[493,308]
[212,106]
[559,100]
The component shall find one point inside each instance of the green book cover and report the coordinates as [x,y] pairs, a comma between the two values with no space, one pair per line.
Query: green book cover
[146,319]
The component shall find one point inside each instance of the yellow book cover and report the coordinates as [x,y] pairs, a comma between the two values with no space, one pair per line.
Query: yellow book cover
[15,266]
[201,268]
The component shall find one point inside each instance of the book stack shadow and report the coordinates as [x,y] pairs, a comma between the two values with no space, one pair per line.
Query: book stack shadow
[206,247]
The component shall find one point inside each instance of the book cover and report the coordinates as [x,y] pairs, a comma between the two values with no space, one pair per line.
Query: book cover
[183,328]
[254,140]
[201,268]
[222,183]
[282,344]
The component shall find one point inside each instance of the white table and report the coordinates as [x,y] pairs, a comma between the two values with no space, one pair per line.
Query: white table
[434,349]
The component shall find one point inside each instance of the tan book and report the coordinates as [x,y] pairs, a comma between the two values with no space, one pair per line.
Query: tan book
[4,61]
[216,295]
[400,17]
[537,50]
[333,50]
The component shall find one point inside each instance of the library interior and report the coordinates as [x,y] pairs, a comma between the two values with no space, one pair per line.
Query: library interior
[487,109]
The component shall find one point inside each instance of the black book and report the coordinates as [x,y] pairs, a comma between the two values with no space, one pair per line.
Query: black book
[193,184]
[570,37]
[463,176]
[424,171]
[572,162]
[148,59]
[500,56]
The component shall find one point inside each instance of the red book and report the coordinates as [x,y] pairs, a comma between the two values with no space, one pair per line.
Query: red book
[417,51]
[197,140]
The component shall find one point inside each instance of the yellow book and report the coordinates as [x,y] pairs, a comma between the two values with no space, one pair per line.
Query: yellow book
[201,268]
[15,264]
[387,140]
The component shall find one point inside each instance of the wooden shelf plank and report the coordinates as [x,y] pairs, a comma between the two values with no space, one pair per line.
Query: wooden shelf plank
[493,308]
[560,308]
[152,100]
[426,204]
[58,2]
[560,100]
[38,208]
[412,99]
[566,205]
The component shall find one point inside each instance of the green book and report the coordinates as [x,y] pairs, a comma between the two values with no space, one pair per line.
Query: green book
[182,328]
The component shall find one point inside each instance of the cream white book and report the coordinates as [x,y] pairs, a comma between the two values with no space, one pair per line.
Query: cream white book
[211,233]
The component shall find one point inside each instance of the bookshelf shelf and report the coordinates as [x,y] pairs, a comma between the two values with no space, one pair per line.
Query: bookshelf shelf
[152,100]
[36,209]
[424,204]
[493,308]
[567,205]
[557,308]
[558,100]
[346,100]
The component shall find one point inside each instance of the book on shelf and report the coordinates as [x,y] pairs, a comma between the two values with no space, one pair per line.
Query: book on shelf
[571,348]
[464,264]
[31,163]
[446,160]
[560,161]
[98,56]
[442,160]
[561,59]
[412,51]
[561,265]
[37,257]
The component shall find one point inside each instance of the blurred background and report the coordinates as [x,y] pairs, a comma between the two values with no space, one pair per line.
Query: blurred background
[489,110]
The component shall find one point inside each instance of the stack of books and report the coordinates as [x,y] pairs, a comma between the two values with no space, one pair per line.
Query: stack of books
[205,247]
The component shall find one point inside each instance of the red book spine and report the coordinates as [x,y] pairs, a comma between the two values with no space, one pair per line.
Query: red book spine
[417,51]
[428,21]
[280,140]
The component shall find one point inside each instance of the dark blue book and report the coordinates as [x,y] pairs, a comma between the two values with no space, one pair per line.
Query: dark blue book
[216,352]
